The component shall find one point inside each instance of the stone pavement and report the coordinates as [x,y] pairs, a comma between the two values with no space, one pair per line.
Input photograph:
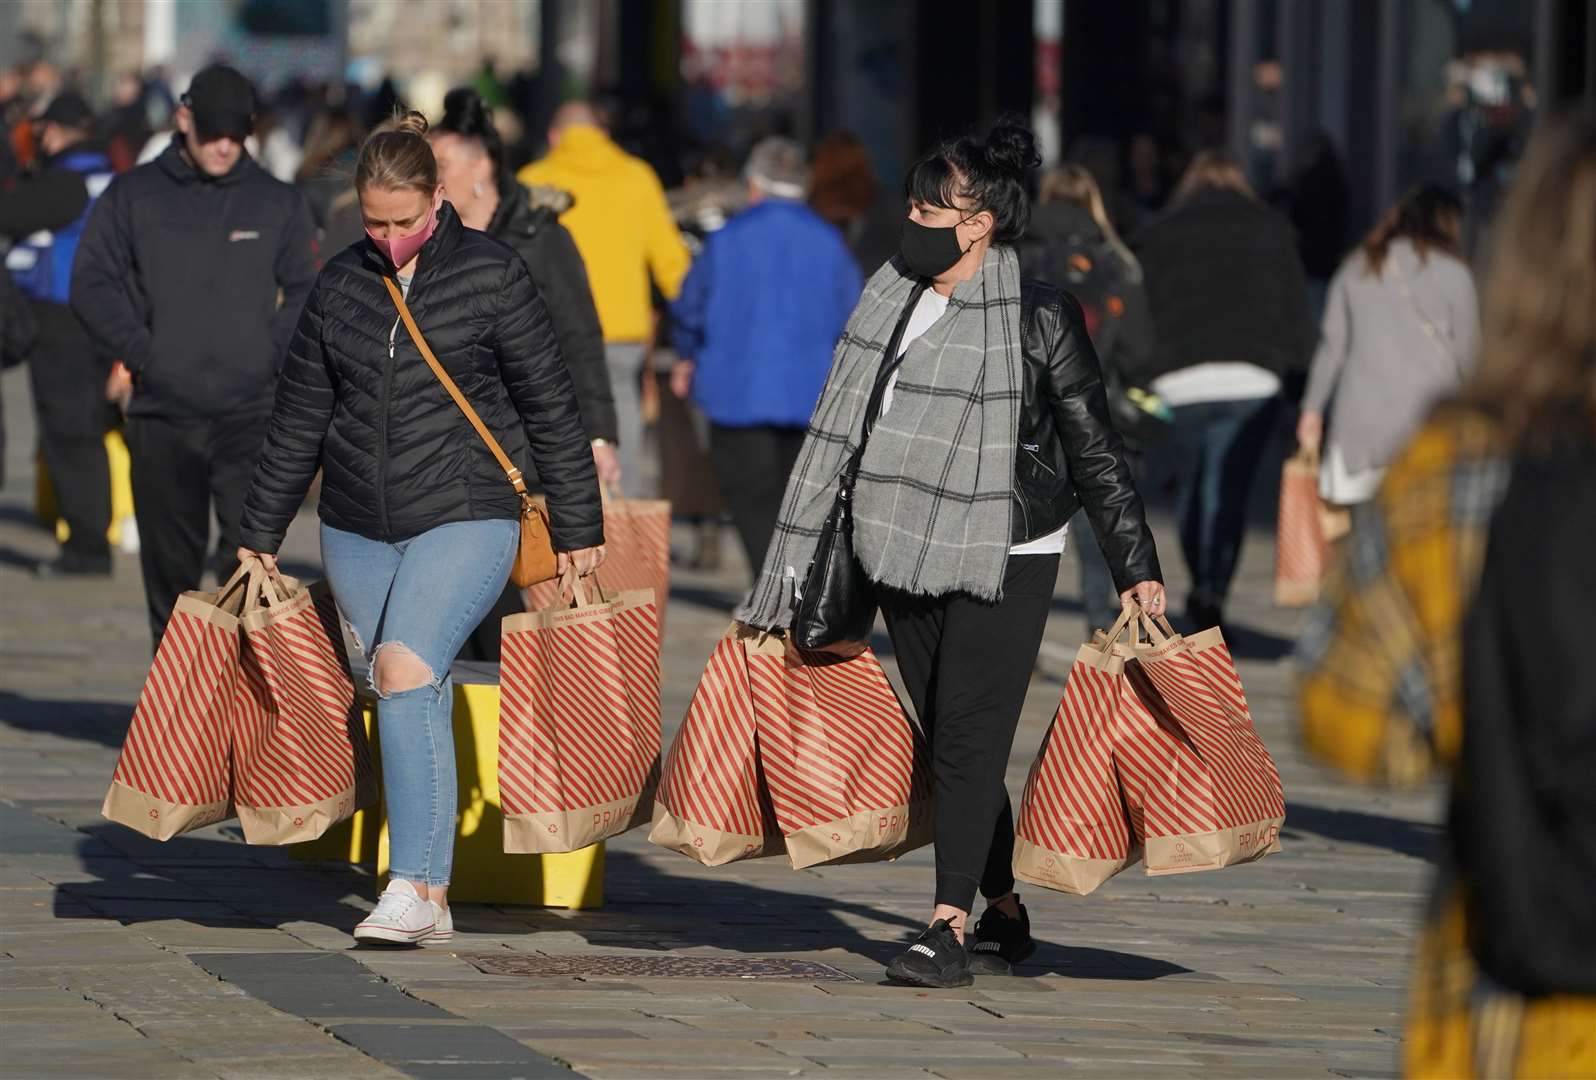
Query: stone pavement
[203,957]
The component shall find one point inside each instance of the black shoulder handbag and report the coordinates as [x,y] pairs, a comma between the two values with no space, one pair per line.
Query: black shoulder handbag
[838,603]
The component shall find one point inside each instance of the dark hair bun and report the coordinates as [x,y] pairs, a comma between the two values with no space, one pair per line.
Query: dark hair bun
[465,113]
[1011,147]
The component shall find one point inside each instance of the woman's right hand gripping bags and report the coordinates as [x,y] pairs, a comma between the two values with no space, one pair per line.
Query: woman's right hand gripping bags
[1152,755]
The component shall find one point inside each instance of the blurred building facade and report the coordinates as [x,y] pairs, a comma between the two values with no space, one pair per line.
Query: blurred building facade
[1400,90]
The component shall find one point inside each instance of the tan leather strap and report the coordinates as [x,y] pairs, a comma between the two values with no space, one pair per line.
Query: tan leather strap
[512,473]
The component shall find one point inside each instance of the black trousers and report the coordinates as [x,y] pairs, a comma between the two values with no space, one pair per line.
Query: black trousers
[967,666]
[182,469]
[751,466]
[69,396]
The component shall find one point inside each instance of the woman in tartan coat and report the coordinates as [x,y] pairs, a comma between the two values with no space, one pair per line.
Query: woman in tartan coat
[1454,636]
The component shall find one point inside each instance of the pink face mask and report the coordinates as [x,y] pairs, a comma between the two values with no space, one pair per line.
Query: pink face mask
[401,249]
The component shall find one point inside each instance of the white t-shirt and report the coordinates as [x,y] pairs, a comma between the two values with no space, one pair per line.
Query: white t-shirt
[925,314]
[1225,381]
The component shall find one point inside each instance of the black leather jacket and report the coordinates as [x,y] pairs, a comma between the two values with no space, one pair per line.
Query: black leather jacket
[1069,454]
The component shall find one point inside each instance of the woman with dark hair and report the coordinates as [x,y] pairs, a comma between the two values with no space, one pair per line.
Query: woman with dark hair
[471,166]
[1230,302]
[1401,329]
[991,431]
[419,524]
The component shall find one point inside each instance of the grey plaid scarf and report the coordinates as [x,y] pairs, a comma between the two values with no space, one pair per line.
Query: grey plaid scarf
[932,504]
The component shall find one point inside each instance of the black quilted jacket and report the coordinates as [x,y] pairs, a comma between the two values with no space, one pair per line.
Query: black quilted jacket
[398,456]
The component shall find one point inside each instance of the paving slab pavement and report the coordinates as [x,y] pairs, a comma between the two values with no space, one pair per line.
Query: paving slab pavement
[202,957]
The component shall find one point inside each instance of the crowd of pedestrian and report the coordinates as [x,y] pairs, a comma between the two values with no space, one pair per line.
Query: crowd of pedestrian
[227,282]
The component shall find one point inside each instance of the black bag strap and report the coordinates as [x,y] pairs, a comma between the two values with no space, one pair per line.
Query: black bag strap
[889,364]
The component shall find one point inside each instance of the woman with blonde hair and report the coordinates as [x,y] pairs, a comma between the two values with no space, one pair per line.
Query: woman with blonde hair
[1230,301]
[1073,244]
[419,524]
[1454,637]
[1400,330]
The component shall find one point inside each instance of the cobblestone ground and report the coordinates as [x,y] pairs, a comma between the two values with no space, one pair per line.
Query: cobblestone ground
[204,957]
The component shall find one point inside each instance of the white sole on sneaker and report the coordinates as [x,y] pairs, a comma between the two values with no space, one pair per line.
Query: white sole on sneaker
[365,932]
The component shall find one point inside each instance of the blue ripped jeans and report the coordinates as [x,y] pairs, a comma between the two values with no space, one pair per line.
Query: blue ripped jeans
[424,594]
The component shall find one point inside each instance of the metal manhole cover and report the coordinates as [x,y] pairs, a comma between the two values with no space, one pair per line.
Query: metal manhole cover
[617,966]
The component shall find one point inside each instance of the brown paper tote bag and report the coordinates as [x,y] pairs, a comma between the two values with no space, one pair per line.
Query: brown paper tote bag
[849,774]
[174,771]
[637,552]
[712,804]
[1073,831]
[579,735]
[1202,789]
[1302,551]
[301,759]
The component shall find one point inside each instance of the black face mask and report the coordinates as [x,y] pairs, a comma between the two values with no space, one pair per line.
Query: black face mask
[929,251]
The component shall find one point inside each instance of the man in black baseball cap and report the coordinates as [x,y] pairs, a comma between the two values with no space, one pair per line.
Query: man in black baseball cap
[191,272]
[221,103]
[214,117]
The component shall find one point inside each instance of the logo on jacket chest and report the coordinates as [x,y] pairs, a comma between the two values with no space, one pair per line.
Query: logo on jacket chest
[242,234]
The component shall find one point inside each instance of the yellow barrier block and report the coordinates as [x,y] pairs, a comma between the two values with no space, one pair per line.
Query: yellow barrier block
[483,873]
[121,463]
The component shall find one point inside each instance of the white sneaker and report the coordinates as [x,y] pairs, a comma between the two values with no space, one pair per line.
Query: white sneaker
[442,925]
[401,917]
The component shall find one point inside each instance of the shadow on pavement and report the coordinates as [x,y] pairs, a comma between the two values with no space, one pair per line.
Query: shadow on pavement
[727,913]
[92,721]
[204,881]
[10,556]
[1249,644]
[1415,839]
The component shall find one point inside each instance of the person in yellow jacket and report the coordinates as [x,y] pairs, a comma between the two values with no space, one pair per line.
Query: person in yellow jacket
[625,232]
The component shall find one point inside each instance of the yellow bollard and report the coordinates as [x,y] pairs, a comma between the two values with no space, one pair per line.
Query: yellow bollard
[483,873]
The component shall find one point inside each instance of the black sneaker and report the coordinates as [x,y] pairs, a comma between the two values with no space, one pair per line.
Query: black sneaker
[936,959]
[1001,941]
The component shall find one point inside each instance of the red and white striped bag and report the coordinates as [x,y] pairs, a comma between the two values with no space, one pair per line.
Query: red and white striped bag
[1202,790]
[849,774]
[712,803]
[301,760]
[174,771]
[1302,552]
[1072,832]
[637,553]
[579,736]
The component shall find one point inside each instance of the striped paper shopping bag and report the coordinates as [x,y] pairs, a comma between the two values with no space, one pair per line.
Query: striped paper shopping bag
[1073,832]
[712,803]
[301,761]
[579,737]
[1302,553]
[174,770]
[848,772]
[1203,790]
[637,553]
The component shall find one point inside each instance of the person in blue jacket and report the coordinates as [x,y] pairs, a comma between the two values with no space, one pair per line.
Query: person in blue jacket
[756,322]
[43,215]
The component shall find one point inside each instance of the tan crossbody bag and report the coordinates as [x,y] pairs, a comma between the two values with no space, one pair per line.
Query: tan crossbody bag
[534,558]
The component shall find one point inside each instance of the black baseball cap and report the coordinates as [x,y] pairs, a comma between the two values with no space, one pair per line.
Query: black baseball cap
[69,110]
[222,101]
